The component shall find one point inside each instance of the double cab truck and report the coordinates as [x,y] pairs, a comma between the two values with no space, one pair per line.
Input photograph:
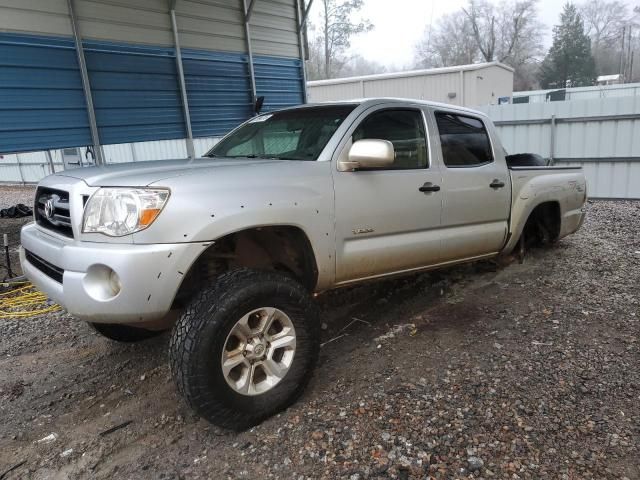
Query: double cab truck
[228,250]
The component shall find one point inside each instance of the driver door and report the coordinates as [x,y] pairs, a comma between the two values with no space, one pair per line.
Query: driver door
[384,222]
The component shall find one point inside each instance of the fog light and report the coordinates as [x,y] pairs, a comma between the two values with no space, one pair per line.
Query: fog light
[101,282]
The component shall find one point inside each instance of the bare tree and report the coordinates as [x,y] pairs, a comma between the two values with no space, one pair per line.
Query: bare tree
[358,65]
[509,32]
[341,66]
[606,22]
[603,21]
[449,42]
[333,34]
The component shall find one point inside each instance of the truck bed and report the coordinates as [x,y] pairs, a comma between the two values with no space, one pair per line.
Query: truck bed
[563,186]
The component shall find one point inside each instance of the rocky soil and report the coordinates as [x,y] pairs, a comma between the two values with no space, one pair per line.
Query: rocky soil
[10,195]
[523,371]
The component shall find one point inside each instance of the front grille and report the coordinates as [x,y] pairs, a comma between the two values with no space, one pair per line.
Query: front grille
[45,267]
[52,210]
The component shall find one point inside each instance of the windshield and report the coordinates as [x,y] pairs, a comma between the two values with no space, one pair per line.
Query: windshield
[297,134]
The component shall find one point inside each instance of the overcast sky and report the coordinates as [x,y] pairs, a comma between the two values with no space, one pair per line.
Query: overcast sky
[399,25]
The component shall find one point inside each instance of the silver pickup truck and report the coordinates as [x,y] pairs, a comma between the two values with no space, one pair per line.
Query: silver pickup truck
[228,249]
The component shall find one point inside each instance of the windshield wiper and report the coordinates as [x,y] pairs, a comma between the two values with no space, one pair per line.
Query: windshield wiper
[276,157]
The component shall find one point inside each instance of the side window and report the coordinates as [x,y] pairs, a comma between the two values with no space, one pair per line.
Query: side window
[403,128]
[464,140]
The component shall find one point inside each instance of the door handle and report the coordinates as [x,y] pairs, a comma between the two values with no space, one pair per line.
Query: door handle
[429,187]
[496,184]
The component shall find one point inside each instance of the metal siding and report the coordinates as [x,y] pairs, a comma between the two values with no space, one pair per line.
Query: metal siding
[487,85]
[343,91]
[45,17]
[585,93]
[134,84]
[612,142]
[218,90]
[34,165]
[128,107]
[134,22]
[274,28]
[435,86]
[135,92]
[204,23]
[203,145]
[280,81]
[10,173]
[201,24]
[41,99]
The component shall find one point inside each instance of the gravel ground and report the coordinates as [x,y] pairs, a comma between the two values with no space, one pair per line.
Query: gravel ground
[10,195]
[480,371]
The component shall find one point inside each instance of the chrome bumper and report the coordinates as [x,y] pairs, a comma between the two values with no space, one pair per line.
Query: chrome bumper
[149,275]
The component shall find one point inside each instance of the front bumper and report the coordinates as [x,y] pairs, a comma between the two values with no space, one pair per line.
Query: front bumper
[149,275]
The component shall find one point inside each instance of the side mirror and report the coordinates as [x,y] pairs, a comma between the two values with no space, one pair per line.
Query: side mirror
[368,154]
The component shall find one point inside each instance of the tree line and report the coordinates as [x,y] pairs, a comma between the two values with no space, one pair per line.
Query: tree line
[592,38]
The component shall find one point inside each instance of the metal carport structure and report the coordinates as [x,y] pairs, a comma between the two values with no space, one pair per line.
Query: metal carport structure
[100,72]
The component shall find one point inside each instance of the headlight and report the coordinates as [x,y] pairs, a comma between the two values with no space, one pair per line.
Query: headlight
[123,211]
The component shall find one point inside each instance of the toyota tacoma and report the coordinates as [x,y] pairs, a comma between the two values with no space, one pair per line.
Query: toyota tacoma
[228,250]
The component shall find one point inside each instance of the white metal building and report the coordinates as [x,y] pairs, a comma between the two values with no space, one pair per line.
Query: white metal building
[465,85]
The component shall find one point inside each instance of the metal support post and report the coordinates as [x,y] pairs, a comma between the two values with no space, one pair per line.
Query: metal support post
[249,10]
[20,169]
[86,86]
[50,160]
[301,22]
[247,33]
[183,89]
[305,13]
[5,239]
[552,146]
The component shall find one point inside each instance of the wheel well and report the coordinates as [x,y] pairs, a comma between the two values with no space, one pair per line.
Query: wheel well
[281,248]
[543,225]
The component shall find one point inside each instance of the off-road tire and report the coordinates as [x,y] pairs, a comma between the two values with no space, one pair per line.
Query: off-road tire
[199,336]
[124,333]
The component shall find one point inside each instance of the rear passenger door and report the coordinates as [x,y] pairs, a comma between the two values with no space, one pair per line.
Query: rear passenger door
[476,189]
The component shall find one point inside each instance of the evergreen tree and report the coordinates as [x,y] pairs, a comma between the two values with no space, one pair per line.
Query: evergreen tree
[569,62]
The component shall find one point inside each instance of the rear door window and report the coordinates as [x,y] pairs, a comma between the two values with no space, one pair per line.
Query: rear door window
[464,140]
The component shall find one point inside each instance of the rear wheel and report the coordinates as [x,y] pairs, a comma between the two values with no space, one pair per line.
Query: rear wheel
[123,333]
[244,349]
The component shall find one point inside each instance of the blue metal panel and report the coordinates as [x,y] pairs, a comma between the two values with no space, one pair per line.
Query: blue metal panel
[280,81]
[218,91]
[135,92]
[219,88]
[41,100]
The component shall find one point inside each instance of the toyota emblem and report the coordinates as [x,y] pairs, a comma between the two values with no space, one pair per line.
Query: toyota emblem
[49,208]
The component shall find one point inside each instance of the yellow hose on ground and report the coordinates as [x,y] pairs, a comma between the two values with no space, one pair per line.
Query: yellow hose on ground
[24,301]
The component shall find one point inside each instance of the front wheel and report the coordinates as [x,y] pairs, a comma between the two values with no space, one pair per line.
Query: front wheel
[244,348]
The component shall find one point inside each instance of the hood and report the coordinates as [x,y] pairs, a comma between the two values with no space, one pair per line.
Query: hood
[140,174]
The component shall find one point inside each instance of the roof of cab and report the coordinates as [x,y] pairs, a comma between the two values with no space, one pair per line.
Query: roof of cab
[370,102]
